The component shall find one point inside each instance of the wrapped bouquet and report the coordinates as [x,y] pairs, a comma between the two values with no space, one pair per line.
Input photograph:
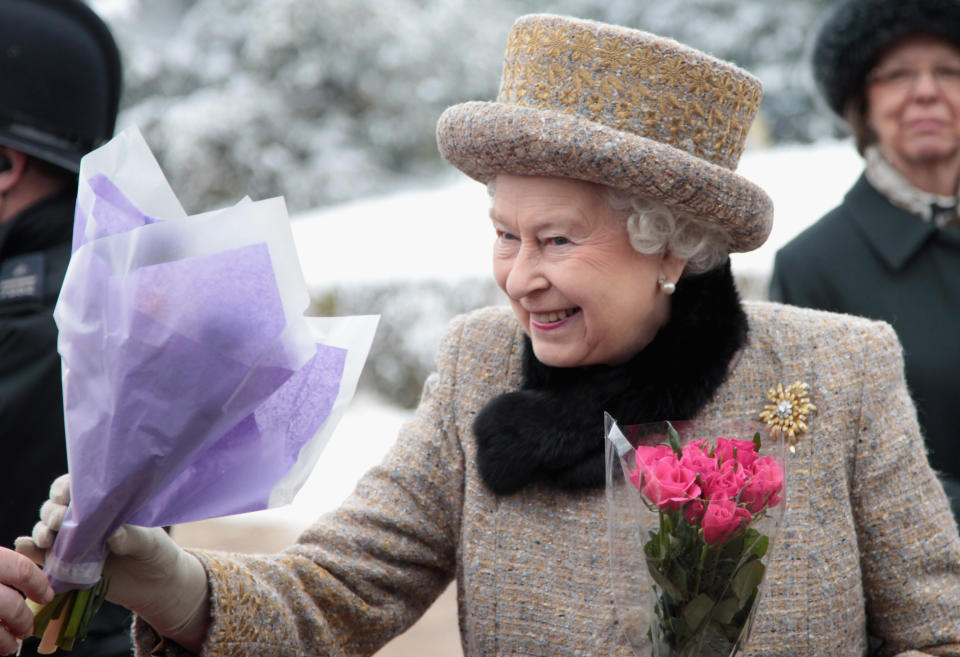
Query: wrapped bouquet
[691,518]
[194,386]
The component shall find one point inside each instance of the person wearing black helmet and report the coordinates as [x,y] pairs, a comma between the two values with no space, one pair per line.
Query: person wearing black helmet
[891,250]
[60,81]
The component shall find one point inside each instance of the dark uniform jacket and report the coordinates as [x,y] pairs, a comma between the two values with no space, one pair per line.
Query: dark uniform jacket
[868,257]
[34,252]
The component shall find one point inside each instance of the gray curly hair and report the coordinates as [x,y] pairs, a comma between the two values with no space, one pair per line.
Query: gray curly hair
[653,227]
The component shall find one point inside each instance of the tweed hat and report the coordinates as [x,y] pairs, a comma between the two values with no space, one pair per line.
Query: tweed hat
[856,32]
[623,108]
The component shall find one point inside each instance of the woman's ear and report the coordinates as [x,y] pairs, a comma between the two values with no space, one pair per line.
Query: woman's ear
[671,267]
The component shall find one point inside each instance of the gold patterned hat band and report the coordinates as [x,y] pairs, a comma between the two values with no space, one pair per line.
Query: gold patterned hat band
[619,107]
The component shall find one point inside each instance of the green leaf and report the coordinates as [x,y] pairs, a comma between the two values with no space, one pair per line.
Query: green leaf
[697,609]
[756,440]
[674,439]
[726,610]
[760,546]
[746,581]
[669,588]
[678,575]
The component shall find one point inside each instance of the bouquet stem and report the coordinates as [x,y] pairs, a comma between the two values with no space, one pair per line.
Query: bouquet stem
[66,619]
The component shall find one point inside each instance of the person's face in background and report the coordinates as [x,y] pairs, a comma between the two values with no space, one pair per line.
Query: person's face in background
[577,286]
[913,103]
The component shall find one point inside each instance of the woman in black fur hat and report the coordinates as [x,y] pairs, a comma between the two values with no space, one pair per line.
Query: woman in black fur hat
[891,250]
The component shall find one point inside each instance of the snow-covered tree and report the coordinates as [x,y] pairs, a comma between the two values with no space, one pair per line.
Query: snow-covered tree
[327,100]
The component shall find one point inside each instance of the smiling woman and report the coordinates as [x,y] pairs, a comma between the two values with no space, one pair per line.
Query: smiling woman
[583,294]
[577,245]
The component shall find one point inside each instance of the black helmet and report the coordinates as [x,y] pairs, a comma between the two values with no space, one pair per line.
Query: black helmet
[59,79]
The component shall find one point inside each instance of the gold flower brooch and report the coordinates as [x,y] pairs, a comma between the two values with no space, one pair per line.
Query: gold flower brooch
[787,409]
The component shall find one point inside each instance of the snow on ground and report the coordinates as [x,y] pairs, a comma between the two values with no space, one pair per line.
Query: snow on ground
[444,232]
[804,182]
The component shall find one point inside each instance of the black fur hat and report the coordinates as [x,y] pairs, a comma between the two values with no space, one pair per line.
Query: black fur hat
[856,33]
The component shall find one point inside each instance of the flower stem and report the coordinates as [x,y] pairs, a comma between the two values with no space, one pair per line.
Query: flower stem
[702,561]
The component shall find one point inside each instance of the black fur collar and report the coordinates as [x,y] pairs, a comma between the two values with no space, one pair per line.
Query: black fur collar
[552,427]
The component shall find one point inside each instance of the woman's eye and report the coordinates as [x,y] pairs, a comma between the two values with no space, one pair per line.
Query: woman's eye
[560,241]
[949,73]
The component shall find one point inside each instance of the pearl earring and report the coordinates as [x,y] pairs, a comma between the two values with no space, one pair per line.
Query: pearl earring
[667,287]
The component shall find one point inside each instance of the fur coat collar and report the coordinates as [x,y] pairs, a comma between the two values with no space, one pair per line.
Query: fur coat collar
[552,427]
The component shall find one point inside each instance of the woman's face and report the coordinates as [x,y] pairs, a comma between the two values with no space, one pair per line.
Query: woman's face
[581,292]
[913,102]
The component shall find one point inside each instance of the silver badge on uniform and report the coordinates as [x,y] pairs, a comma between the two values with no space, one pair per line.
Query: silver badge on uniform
[21,278]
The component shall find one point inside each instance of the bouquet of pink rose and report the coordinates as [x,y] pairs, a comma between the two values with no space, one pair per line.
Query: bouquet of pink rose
[712,508]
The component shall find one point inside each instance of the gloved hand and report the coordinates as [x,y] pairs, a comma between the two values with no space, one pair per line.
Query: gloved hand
[149,573]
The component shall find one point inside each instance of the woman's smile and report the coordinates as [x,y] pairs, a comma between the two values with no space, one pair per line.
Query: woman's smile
[552,320]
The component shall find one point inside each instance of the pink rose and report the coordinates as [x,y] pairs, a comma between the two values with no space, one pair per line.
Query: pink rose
[696,457]
[763,486]
[646,454]
[665,481]
[724,483]
[721,519]
[694,511]
[741,451]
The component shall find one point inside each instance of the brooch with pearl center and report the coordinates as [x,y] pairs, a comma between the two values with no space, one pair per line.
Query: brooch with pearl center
[787,410]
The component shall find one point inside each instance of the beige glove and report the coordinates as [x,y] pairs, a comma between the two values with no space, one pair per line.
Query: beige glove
[149,573]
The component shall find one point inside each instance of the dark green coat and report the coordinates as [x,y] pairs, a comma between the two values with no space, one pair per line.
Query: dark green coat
[34,252]
[870,258]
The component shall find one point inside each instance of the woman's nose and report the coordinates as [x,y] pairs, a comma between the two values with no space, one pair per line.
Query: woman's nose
[525,276]
[926,85]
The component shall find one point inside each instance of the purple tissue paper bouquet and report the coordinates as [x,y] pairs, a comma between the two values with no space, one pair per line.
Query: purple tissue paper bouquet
[194,386]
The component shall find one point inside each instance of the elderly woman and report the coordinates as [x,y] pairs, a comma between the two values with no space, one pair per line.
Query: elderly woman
[891,250]
[610,154]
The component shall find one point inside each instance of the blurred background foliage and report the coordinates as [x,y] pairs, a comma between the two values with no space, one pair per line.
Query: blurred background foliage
[323,101]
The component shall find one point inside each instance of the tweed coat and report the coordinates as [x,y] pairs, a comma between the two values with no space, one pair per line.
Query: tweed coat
[868,257]
[868,542]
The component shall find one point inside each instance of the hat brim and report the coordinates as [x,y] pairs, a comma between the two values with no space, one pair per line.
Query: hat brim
[484,139]
[64,158]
